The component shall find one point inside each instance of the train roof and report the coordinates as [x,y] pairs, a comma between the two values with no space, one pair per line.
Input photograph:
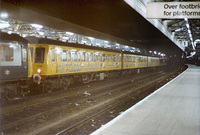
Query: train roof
[5,37]
[35,40]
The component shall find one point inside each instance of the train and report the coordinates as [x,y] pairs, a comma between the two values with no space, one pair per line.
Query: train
[51,64]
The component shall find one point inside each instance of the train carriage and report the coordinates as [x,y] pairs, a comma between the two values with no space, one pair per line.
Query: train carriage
[13,65]
[58,64]
[131,61]
[51,64]
[153,61]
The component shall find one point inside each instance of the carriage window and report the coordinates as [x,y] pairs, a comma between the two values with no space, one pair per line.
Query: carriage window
[74,56]
[83,56]
[119,58]
[6,53]
[133,59]
[139,59]
[114,58]
[69,56]
[64,55]
[103,57]
[86,57]
[79,56]
[130,58]
[98,57]
[39,55]
[125,58]
[52,55]
[24,55]
[90,57]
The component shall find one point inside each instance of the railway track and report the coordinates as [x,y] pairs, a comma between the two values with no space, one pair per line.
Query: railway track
[68,104]
[121,101]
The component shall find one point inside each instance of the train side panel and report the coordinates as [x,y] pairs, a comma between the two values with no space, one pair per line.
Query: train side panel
[153,61]
[131,61]
[60,60]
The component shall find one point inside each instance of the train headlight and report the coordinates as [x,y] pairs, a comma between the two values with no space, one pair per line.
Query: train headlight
[39,70]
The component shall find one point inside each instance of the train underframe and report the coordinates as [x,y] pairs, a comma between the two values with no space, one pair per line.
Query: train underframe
[53,83]
[13,89]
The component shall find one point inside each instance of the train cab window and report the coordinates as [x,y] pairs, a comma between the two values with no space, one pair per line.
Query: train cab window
[6,53]
[39,55]
[74,55]
[64,55]
[52,55]
[24,55]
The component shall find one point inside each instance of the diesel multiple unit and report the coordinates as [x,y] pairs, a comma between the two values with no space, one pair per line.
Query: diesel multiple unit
[53,64]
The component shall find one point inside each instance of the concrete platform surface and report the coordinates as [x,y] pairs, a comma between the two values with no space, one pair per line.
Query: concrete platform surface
[173,109]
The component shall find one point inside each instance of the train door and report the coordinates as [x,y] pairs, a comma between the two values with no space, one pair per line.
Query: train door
[30,61]
[52,61]
[83,60]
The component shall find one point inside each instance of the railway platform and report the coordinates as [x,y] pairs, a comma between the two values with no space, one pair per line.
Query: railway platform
[174,109]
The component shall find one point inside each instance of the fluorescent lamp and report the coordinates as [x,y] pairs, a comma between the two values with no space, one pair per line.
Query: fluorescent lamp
[69,33]
[4,25]
[4,15]
[37,26]
[187,25]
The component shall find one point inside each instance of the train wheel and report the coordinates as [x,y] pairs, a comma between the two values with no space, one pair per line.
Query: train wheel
[64,83]
[47,89]
[50,85]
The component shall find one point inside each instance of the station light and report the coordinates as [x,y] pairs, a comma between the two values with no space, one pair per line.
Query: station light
[126,46]
[186,19]
[97,43]
[65,38]
[189,31]
[190,35]
[187,25]
[4,25]
[179,29]
[91,38]
[37,26]
[106,41]
[41,33]
[69,33]
[23,35]
[4,15]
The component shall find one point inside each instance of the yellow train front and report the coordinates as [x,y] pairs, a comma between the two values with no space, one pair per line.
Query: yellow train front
[57,66]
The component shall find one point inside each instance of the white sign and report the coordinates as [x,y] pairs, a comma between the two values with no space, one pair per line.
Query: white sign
[173,10]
